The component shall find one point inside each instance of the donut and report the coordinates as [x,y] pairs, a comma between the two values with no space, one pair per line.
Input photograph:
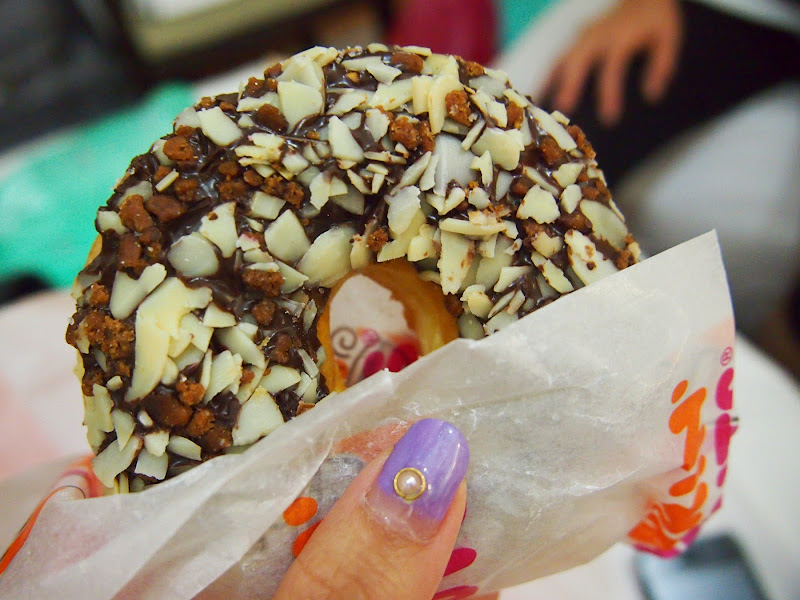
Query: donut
[202,319]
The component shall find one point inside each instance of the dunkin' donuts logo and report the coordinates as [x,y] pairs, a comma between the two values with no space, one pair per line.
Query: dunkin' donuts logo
[672,524]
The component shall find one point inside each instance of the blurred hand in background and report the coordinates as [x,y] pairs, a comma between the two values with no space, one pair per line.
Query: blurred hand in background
[609,45]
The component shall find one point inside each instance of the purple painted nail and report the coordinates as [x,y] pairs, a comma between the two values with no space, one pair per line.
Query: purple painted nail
[419,479]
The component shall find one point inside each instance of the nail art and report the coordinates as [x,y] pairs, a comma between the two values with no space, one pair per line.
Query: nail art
[419,479]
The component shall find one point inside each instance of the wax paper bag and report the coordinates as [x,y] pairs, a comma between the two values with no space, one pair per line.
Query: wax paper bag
[602,417]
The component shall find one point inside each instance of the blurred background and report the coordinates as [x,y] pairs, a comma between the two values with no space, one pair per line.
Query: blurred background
[692,106]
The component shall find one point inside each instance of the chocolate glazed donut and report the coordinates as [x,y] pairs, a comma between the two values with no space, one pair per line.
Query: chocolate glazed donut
[201,316]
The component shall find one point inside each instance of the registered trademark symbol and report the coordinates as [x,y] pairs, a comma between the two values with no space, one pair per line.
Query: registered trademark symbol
[727,356]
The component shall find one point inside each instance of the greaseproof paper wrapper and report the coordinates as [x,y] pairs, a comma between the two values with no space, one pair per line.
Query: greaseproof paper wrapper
[602,417]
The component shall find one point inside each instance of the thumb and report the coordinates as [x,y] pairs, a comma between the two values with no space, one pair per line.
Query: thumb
[391,533]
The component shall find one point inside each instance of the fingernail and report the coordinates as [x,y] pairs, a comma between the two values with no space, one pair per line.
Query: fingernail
[419,479]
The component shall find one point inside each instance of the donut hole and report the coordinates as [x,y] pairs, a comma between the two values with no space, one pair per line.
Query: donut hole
[382,317]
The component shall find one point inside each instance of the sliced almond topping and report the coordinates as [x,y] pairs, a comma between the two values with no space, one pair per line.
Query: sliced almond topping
[218,126]
[144,418]
[352,200]
[200,334]
[454,163]
[112,461]
[360,254]
[547,246]
[357,181]
[328,258]
[246,389]
[109,220]
[440,64]
[560,117]
[187,117]
[309,365]
[554,128]
[343,144]
[456,258]
[605,223]
[238,342]
[114,383]
[501,303]
[377,123]
[421,245]
[421,50]
[216,317]
[500,321]
[98,410]
[219,227]
[391,96]
[375,66]
[299,101]
[486,248]
[249,104]
[205,370]
[537,178]
[167,180]
[516,98]
[491,108]
[509,275]
[437,108]
[473,134]
[247,241]
[489,268]
[347,102]
[398,247]
[479,198]
[128,293]
[258,417]
[412,174]
[567,174]
[469,228]
[226,371]
[157,321]
[321,55]
[170,374]
[152,466]
[193,256]
[517,300]
[403,206]
[420,87]
[540,205]
[294,163]
[588,263]
[479,304]
[469,327]
[184,447]
[554,276]
[485,166]
[570,198]
[286,238]
[320,189]
[503,145]
[156,442]
[279,378]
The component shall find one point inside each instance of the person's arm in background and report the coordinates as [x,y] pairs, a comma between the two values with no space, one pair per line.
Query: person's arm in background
[651,69]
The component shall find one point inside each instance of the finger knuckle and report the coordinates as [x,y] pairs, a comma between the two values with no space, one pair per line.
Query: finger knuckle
[352,580]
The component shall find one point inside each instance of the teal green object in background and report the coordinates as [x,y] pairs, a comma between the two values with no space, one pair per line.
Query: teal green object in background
[516,15]
[48,204]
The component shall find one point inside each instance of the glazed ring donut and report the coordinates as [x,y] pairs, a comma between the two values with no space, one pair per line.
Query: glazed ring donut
[201,316]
